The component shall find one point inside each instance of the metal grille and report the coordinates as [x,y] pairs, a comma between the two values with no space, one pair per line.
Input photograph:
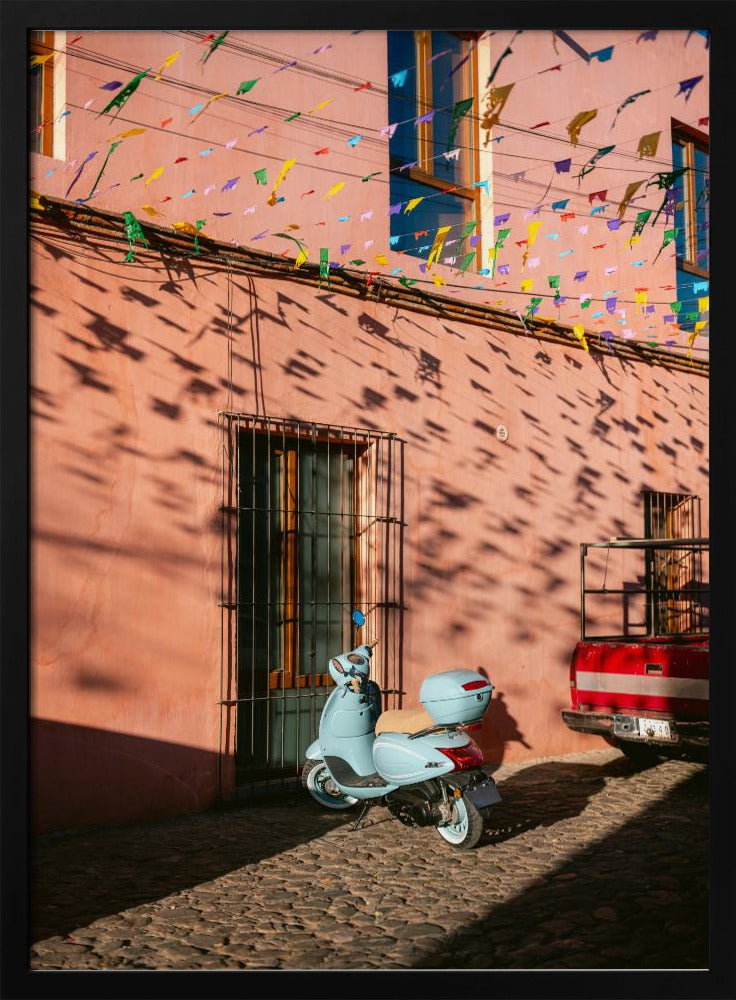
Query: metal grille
[313,528]
[671,572]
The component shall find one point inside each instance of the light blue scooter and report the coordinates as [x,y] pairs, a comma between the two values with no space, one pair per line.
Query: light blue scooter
[417,762]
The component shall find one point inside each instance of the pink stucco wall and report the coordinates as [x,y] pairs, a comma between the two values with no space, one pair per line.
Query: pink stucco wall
[130,370]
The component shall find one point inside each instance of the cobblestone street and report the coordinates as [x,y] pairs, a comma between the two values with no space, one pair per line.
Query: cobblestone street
[587,863]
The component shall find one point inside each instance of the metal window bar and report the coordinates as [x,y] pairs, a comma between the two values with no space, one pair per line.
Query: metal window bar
[277,573]
[691,600]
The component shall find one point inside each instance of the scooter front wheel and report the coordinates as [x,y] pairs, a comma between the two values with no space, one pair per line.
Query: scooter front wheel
[319,783]
[467,829]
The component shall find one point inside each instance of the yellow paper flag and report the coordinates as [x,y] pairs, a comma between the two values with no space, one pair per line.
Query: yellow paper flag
[130,132]
[438,279]
[168,61]
[704,305]
[156,173]
[495,101]
[580,119]
[381,258]
[150,210]
[630,242]
[491,253]
[334,189]
[628,195]
[186,227]
[39,60]
[282,174]
[531,234]
[322,105]
[640,299]
[579,332]
[526,285]
[301,257]
[648,144]
[439,239]
[413,204]
[35,203]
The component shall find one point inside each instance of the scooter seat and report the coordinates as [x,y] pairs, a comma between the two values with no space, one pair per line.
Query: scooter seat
[404,720]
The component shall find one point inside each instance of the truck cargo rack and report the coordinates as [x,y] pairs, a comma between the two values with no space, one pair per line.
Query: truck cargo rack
[676,597]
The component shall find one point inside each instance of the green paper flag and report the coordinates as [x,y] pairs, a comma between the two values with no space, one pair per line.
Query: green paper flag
[641,220]
[468,229]
[126,93]
[357,262]
[669,236]
[199,223]
[218,41]
[292,117]
[535,301]
[260,176]
[375,174]
[675,306]
[408,282]
[110,151]
[458,113]
[247,85]
[466,263]
[591,164]
[554,281]
[324,265]
[134,232]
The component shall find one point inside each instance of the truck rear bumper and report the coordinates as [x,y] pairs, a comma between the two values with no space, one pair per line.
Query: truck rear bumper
[684,734]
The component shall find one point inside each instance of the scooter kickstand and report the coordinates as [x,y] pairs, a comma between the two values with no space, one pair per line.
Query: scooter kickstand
[359,820]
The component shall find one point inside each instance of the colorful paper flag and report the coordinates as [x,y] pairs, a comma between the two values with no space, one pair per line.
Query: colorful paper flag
[576,124]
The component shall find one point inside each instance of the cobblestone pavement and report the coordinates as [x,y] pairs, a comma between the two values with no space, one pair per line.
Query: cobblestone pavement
[587,863]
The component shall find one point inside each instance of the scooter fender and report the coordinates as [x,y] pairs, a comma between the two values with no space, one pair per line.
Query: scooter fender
[313,751]
[402,760]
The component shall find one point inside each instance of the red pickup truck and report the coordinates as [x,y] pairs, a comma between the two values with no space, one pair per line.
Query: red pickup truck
[646,691]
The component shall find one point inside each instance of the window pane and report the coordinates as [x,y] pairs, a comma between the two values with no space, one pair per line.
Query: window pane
[678,160]
[402,95]
[436,210]
[702,177]
[448,88]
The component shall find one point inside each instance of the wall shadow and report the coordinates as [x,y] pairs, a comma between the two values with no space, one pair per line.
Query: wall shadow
[81,875]
[636,899]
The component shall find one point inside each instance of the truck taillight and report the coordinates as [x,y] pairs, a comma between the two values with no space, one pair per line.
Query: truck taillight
[464,758]
[573,678]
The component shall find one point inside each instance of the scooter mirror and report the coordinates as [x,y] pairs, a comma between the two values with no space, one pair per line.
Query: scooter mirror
[358,618]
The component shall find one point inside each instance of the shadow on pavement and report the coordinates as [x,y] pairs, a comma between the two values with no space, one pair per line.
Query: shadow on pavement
[636,899]
[543,794]
[79,877]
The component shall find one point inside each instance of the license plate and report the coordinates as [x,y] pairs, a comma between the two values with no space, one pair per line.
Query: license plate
[655,729]
[485,794]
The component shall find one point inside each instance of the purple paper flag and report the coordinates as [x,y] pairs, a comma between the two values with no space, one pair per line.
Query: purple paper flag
[611,305]
[503,268]
[408,166]
[613,223]
[345,247]
[112,85]
[687,86]
[500,219]
[607,336]
[580,275]
[229,185]
[563,166]
[394,209]
[424,118]
[647,36]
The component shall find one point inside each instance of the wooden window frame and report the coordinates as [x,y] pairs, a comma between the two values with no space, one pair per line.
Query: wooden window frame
[690,138]
[425,130]
[36,46]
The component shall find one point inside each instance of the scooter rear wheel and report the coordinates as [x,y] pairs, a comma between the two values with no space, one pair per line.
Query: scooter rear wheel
[319,783]
[467,830]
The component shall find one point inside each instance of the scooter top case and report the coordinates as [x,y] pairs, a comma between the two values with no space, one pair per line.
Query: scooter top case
[456,696]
